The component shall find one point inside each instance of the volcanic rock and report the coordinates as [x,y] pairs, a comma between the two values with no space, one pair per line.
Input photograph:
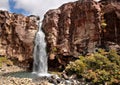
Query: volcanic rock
[77,28]
[17,34]
[73,28]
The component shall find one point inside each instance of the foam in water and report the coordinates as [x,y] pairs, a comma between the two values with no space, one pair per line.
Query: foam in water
[40,66]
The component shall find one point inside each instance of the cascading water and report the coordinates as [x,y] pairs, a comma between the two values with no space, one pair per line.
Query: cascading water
[40,66]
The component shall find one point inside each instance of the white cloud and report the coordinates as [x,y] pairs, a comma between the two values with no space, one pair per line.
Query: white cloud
[39,7]
[4,5]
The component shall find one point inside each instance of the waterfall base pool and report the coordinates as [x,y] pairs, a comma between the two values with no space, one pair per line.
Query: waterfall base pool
[42,74]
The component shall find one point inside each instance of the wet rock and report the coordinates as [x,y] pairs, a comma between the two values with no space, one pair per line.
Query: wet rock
[65,76]
[55,80]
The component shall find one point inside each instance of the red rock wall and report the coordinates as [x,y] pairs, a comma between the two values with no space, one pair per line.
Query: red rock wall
[72,29]
[17,33]
[76,28]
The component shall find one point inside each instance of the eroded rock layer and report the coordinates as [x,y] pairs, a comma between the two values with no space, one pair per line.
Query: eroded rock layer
[17,33]
[72,29]
[79,27]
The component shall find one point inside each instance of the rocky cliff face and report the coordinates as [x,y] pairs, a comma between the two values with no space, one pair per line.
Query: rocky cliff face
[79,27]
[112,17]
[17,33]
[72,29]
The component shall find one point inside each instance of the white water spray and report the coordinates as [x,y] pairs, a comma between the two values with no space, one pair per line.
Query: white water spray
[40,66]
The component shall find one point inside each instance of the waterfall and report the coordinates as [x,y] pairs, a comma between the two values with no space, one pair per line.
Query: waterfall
[40,66]
[116,35]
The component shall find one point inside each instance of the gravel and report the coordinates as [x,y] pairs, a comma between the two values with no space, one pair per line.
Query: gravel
[14,75]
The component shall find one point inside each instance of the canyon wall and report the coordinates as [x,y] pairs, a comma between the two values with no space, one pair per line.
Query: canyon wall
[78,28]
[74,29]
[17,34]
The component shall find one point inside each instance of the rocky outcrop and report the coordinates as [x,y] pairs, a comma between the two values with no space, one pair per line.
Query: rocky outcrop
[79,27]
[17,33]
[73,28]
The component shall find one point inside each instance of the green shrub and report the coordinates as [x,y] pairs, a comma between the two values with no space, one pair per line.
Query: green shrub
[99,67]
[114,57]
[97,61]
[76,67]
[5,60]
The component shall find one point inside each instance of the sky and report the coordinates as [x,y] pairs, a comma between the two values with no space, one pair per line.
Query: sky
[31,7]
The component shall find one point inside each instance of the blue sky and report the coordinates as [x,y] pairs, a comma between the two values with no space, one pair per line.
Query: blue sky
[31,7]
[16,10]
